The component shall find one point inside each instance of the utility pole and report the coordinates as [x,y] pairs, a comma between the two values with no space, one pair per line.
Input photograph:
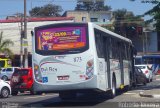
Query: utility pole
[21,42]
[25,37]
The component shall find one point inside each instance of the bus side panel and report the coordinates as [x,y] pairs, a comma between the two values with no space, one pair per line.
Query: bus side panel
[101,74]
[100,65]
[115,68]
[126,70]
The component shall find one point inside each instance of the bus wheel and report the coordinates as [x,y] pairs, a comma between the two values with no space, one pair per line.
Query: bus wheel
[67,95]
[113,89]
[32,92]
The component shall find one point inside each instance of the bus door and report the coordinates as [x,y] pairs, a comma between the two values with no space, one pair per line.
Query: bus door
[101,70]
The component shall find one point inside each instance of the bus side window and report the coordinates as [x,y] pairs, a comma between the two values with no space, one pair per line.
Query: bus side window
[110,48]
[106,46]
[123,51]
[126,51]
[116,49]
[99,44]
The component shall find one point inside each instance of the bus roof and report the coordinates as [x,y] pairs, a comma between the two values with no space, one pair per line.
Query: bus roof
[110,32]
[94,25]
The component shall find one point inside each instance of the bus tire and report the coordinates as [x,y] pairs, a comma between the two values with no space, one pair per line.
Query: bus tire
[32,92]
[113,88]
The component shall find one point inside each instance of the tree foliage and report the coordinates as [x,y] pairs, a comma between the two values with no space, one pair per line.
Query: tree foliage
[4,45]
[46,11]
[126,23]
[155,13]
[92,5]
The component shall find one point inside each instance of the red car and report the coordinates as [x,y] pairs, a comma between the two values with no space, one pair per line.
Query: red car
[22,80]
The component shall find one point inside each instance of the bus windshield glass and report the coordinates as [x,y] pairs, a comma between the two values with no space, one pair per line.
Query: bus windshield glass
[61,39]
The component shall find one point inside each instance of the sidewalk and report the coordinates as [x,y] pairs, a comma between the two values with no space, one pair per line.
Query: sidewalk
[153,93]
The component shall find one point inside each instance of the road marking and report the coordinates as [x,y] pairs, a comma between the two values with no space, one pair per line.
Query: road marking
[37,96]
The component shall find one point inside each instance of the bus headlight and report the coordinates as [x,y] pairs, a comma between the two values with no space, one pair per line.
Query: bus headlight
[89,69]
[37,73]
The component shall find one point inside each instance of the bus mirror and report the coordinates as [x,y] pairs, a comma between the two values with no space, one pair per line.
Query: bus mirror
[31,33]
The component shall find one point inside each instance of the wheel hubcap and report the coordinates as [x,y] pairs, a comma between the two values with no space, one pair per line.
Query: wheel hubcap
[5,93]
[113,88]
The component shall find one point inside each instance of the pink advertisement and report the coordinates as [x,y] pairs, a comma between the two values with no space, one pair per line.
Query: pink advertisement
[61,38]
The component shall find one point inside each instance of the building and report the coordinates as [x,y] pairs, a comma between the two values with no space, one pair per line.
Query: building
[149,42]
[102,18]
[11,29]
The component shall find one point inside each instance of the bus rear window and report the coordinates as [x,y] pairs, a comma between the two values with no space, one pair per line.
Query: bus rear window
[61,39]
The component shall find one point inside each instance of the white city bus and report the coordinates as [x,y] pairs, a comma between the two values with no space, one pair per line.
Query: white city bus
[74,57]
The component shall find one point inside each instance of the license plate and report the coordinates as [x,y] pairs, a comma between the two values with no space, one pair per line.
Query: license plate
[66,77]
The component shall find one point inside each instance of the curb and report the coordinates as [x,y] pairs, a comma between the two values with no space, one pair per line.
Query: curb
[142,94]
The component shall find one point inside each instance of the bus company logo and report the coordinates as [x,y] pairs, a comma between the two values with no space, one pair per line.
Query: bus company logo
[48,69]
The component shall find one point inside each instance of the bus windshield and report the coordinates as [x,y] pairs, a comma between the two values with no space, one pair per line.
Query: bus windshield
[57,40]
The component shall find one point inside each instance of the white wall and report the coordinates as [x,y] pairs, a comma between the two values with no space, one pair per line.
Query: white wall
[12,31]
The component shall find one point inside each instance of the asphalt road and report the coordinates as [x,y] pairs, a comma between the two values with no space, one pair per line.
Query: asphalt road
[123,100]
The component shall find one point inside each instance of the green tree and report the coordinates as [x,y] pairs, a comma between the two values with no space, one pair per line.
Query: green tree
[46,11]
[92,5]
[154,12]
[4,46]
[126,23]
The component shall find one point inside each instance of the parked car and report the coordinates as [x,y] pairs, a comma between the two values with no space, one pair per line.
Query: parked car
[140,76]
[147,70]
[22,80]
[5,89]
[6,73]
[2,69]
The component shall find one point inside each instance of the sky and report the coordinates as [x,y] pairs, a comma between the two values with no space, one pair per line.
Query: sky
[10,7]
